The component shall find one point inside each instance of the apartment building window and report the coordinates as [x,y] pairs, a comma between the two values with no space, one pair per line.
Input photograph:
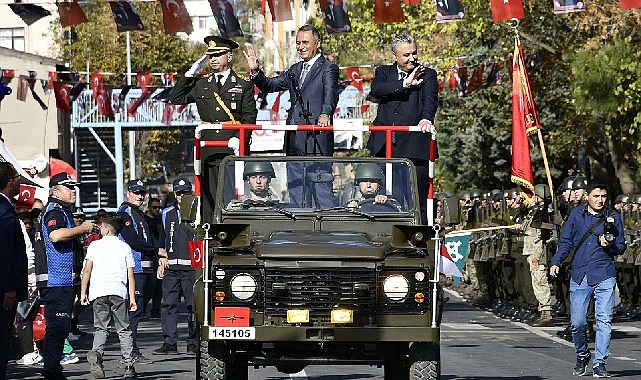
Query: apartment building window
[202,22]
[12,38]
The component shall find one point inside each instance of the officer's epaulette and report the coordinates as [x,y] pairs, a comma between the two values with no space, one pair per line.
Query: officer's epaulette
[204,75]
[246,79]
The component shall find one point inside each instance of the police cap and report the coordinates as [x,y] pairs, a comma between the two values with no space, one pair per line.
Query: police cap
[182,185]
[217,44]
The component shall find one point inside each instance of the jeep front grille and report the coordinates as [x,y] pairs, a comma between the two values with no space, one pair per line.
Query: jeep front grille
[319,290]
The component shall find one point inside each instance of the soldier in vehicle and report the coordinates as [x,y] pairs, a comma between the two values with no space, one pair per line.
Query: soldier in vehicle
[369,179]
[258,175]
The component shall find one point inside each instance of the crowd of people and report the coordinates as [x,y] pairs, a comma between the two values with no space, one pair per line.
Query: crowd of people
[558,260]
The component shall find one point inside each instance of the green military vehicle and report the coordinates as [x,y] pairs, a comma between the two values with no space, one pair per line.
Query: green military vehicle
[338,274]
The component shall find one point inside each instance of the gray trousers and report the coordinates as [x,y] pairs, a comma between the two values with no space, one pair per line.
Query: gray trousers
[105,309]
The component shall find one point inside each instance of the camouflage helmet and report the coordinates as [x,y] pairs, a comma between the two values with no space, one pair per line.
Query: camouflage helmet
[465,195]
[580,182]
[542,191]
[368,171]
[256,167]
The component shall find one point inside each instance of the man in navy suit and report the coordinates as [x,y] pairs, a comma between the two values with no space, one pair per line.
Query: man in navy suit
[313,91]
[408,94]
[13,271]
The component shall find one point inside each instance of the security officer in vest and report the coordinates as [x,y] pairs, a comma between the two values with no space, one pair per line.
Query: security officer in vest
[136,233]
[57,246]
[178,279]
[221,96]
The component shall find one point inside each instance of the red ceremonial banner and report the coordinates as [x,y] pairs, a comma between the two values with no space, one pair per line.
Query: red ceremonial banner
[175,17]
[104,101]
[281,10]
[629,4]
[96,81]
[71,14]
[386,11]
[503,10]
[524,122]
[61,91]
[196,253]
[26,197]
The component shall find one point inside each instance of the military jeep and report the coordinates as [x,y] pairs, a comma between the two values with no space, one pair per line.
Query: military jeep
[315,270]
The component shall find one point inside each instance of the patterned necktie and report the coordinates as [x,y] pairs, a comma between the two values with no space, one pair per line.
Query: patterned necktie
[219,81]
[303,74]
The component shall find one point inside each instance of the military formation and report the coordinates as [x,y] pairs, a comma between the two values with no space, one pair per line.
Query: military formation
[512,241]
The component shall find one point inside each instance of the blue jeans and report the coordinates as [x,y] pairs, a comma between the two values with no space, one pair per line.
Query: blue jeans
[580,295]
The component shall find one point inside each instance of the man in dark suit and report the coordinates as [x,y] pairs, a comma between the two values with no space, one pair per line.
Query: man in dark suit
[13,271]
[313,89]
[408,94]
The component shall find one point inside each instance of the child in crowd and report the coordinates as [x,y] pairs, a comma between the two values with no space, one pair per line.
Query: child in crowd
[109,267]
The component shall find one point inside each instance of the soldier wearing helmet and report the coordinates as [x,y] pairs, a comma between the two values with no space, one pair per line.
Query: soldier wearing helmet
[578,194]
[258,175]
[369,179]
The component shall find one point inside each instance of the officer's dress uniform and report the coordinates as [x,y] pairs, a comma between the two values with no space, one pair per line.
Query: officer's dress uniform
[57,274]
[179,277]
[136,233]
[237,95]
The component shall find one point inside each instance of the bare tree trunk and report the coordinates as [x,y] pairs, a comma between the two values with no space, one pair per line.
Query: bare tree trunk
[612,168]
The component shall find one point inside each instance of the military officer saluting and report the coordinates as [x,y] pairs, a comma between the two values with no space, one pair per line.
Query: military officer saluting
[222,96]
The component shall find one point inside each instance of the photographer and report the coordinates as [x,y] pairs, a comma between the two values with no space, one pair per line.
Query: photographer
[591,237]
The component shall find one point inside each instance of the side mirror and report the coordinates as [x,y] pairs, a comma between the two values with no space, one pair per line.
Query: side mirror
[188,208]
[450,213]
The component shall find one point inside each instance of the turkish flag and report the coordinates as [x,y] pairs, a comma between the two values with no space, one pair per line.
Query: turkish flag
[61,91]
[29,13]
[196,253]
[51,77]
[144,79]
[503,10]
[23,88]
[26,196]
[629,4]
[280,9]
[96,81]
[477,78]
[71,14]
[125,16]
[168,113]
[274,112]
[354,78]
[104,101]
[524,122]
[146,93]
[386,11]
[39,325]
[175,17]
[7,75]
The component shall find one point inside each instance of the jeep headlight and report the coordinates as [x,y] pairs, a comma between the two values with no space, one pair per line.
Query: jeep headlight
[243,286]
[396,287]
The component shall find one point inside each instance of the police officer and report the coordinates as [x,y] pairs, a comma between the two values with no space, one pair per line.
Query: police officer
[57,248]
[136,233]
[221,96]
[178,279]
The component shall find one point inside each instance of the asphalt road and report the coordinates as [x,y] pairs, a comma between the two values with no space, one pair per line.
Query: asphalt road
[475,345]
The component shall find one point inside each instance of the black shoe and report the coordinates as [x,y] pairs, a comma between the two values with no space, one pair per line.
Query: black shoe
[599,371]
[130,371]
[582,362]
[192,349]
[140,358]
[155,315]
[54,376]
[166,349]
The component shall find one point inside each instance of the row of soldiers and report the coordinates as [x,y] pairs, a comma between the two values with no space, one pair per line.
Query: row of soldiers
[515,237]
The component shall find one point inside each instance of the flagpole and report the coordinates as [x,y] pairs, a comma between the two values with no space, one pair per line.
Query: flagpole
[545,160]
[492,228]
[132,135]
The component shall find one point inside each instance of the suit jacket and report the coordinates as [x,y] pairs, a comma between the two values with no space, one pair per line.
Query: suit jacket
[319,90]
[237,94]
[403,106]
[13,253]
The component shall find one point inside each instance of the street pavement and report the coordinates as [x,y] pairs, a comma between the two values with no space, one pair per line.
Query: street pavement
[475,345]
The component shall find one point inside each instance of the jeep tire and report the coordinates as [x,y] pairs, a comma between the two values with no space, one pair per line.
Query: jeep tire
[212,361]
[425,361]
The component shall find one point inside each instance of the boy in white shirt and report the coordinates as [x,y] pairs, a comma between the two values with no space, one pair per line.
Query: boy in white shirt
[109,267]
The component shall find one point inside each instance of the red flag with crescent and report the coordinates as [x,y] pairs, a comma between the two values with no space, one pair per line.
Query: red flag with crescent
[274,112]
[71,14]
[524,122]
[96,81]
[144,80]
[503,10]
[175,17]
[280,10]
[387,11]
[354,78]
[61,91]
[104,101]
[26,197]
[146,93]
[196,253]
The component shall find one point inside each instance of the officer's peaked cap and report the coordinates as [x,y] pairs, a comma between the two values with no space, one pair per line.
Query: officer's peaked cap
[217,44]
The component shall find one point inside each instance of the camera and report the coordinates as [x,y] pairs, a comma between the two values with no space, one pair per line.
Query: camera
[609,230]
